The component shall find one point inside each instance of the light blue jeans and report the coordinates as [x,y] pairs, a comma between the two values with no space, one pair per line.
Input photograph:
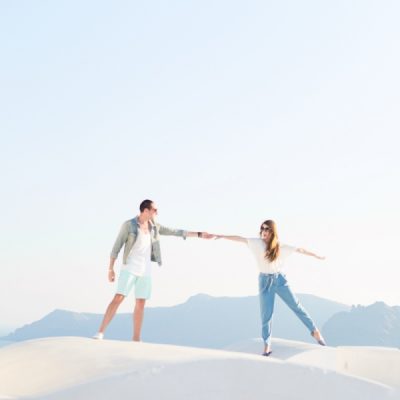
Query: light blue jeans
[269,285]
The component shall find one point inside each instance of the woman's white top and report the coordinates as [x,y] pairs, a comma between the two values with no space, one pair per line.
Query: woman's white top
[139,259]
[258,247]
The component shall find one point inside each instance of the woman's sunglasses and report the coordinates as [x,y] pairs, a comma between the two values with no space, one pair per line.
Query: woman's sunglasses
[265,229]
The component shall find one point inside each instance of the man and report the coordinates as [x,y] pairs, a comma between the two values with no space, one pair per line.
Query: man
[140,237]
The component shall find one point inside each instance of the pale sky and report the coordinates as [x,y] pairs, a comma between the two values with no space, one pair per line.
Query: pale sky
[225,113]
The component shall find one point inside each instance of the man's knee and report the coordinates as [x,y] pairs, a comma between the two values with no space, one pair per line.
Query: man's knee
[118,299]
[140,303]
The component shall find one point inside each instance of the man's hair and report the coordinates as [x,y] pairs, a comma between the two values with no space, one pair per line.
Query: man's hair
[145,204]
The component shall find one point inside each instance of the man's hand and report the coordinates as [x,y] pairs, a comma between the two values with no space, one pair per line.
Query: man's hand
[111,275]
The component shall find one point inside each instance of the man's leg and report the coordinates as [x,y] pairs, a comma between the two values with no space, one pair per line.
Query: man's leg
[142,293]
[138,315]
[110,312]
[125,284]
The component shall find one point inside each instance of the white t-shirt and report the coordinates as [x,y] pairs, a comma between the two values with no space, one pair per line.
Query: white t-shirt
[258,246]
[139,258]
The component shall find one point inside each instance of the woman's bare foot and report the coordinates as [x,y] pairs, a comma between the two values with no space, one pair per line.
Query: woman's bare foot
[318,337]
[267,350]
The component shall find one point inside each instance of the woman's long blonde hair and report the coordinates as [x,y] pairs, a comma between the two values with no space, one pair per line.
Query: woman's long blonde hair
[272,250]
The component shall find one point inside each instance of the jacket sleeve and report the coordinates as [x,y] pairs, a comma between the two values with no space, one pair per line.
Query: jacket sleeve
[121,239]
[163,230]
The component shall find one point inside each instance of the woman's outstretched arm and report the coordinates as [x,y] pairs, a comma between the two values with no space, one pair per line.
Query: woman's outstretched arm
[309,253]
[234,238]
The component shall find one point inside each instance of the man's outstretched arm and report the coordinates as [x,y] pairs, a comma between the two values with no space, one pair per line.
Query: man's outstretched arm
[182,233]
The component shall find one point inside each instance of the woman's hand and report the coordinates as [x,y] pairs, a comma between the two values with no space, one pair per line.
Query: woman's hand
[309,253]
[205,235]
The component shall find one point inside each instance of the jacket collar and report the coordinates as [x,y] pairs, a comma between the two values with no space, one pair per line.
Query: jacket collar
[150,222]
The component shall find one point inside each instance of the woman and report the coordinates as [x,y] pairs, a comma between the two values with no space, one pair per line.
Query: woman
[270,254]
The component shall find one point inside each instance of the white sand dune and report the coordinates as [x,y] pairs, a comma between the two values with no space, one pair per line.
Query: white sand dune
[83,369]
[380,364]
[292,351]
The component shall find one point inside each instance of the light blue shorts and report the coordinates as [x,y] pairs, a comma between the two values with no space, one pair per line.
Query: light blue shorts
[127,281]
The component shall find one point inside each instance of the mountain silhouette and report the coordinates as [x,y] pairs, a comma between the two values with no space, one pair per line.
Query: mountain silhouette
[374,325]
[202,321]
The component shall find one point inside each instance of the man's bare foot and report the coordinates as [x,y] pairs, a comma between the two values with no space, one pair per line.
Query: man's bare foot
[98,336]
